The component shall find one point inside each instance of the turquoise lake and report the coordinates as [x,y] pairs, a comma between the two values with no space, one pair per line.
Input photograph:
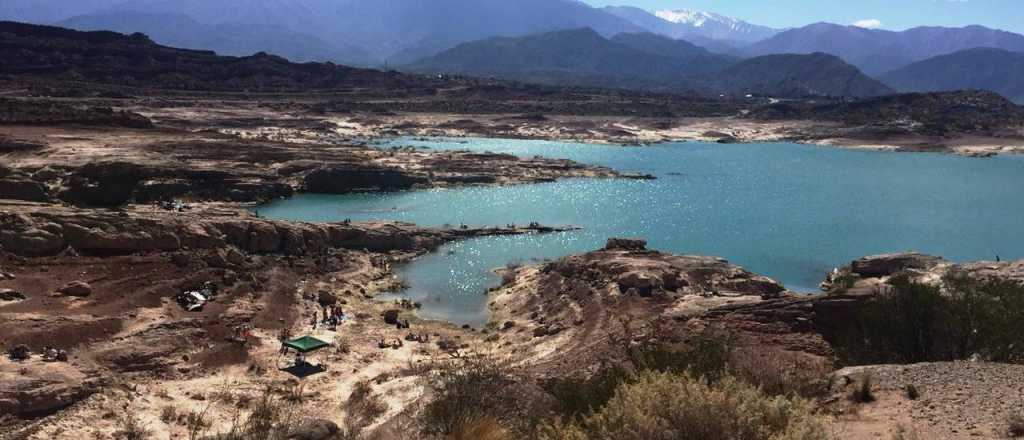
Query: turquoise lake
[789,211]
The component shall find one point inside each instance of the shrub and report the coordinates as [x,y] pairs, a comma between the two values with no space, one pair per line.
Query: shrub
[130,428]
[842,282]
[362,407]
[196,422]
[579,396]
[912,392]
[1015,425]
[485,428]
[781,373]
[863,393]
[467,390]
[508,277]
[168,414]
[917,322]
[707,357]
[680,407]
[342,346]
[269,419]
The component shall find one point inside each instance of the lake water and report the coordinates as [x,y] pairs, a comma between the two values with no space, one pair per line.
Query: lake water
[789,211]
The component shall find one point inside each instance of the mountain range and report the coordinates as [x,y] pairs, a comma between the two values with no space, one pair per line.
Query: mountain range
[179,30]
[390,30]
[877,51]
[649,61]
[404,32]
[714,31]
[41,53]
[997,70]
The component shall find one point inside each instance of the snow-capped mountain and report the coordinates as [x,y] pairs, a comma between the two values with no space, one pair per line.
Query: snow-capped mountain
[696,26]
[717,26]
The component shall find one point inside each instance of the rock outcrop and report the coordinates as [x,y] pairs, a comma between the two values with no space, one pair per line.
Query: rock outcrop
[11,295]
[50,231]
[626,244]
[76,288]
[581,301]
[877,266]
[23,189]
[33,388]
[341,180]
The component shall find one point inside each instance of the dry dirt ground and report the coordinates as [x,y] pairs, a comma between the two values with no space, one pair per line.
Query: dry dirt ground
[134,349]
[956,400]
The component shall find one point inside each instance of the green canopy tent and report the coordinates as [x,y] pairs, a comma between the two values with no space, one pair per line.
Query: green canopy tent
[303,346]
[306,344]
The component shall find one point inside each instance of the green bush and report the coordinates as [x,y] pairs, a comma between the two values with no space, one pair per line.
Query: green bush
[673,406]
[916,322]
[707,357]
[579,396]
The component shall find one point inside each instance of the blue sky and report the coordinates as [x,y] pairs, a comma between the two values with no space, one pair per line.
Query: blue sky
[893,14]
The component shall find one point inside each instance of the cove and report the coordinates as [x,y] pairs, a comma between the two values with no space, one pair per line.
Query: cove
[788,211]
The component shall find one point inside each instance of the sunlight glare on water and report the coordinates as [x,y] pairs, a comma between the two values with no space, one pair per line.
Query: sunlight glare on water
[792,212]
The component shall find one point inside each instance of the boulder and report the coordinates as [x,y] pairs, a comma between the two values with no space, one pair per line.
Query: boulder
[21,236]
[20,189]
[391,317]
[326,298]
[645,283]
[40,391]
[626,244]
[317,429]
[181,259]
[76,288]
[45,174]
[341,179]
[11,295]
[877,266]
[234,257]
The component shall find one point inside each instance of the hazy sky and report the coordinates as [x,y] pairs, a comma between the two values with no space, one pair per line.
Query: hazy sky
[889,14]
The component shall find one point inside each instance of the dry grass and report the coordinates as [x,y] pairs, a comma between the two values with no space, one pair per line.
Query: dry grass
[362,408]
[781,373]
[484,428]
[130,428]
[667,406]
[468,390]
[168,414]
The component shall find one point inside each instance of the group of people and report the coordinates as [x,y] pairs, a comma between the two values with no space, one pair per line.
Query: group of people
[21,352]
[394,344]
[422,338]
[333,315]
[172,205]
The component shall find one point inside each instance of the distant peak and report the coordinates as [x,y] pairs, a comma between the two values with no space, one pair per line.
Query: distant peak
[689,16]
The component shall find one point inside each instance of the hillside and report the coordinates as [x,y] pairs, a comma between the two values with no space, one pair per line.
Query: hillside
[177,30]
[997,70]
[700,59]
[877,51]
[924,113]
[393,30]
[580,56]
[34,53]
[650,62]
[816,74]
